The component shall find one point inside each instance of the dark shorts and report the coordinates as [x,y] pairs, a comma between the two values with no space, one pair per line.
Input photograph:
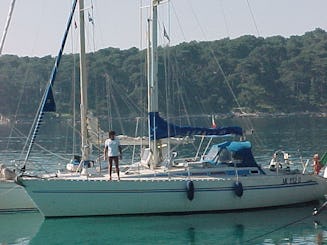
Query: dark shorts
[113,159]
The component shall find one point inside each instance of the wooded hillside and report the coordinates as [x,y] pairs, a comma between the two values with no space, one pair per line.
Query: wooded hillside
[274,74]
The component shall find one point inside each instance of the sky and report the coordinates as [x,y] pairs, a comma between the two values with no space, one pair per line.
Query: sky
[37,26]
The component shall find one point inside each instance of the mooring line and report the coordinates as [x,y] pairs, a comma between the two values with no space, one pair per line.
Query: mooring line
[277,229]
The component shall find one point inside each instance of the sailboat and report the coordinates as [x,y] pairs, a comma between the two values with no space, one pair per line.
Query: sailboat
[225,178]
[13,197]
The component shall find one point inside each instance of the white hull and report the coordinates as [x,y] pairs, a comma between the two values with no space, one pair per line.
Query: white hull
[63,198]
[13,198]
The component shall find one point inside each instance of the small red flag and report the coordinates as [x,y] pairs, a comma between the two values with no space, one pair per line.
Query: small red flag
[213,123]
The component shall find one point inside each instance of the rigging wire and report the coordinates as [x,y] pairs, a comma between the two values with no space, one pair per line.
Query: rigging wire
[91,19]
[129,102]
[98,125]
[277,229]
[91,25]
[9,17]
[174,80]
[142,85]
[178,22]
[27,73]
[111,95]
[48,94]
[109,110]
[224,17]
[21,134]
[181,98]
[19,102]
[247,121]
[252,16]
[110,99]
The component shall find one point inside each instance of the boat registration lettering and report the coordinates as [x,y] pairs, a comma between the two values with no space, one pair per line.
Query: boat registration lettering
[292,180]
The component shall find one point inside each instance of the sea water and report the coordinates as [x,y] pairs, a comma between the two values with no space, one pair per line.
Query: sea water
[287,225]
[284,225]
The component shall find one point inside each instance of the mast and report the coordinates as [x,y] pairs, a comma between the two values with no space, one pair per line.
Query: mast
[153,80]
[149,74]
[154,54]
[83,84]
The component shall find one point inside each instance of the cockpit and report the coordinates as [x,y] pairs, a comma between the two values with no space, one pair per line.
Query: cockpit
[232,153]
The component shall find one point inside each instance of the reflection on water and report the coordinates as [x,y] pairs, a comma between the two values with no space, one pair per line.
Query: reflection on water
[274,226]
[19,228]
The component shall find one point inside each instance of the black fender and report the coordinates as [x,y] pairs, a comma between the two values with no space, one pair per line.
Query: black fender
[190,190]
[238,188]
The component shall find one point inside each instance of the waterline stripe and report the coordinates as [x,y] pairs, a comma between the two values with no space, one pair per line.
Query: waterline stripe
[213,189]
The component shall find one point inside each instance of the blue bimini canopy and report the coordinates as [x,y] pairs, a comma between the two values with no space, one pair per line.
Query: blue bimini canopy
[240,151]
[236,146]
[166,130]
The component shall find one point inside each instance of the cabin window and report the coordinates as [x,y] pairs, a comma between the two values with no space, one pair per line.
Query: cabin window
[225,156]
[237,158]
[212,154]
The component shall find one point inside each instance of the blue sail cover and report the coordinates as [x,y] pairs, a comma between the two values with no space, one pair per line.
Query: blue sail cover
[49,104]
[165,130]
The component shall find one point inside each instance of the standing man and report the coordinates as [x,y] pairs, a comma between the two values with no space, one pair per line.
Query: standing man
[112,150]
[316,164]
